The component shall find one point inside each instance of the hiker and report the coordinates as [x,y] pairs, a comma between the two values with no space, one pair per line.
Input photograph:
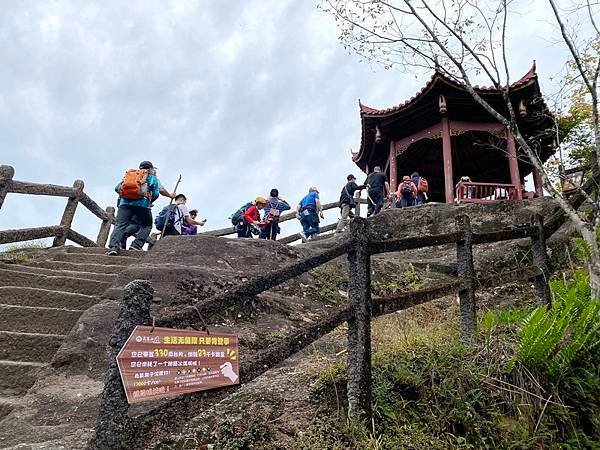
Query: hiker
[175,216]
[462,191]
[308,212]
[191,229]
[346,202]
[275,206]
[138,189]
[406,193]
[422,188]
[378,188]
[247,218]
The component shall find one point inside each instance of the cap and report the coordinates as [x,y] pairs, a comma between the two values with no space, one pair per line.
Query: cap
[260,200]
[313,189]
[147,165]
[405,178]
[350,177]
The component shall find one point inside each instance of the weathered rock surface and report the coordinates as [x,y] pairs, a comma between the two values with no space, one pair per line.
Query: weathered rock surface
[187,269]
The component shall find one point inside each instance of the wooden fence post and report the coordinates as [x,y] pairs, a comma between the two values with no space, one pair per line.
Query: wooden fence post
[68,215]
[359,324]
[105,227]
[112,425]
[540,260]
[357,203]
[6,175]
[466,274]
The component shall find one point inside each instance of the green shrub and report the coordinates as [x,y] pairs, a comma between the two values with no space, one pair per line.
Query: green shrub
[552,337]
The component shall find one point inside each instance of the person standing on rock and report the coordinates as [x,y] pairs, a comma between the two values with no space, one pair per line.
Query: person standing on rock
[275,206]
[308,212]
[346,202]
[138,189]
[378,189]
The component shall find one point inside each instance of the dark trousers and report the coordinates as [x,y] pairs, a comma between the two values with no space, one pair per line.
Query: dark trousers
[375,202]
[269,232]
[243,230]
[405,202]
[171,231]
[309,219]
[127,217]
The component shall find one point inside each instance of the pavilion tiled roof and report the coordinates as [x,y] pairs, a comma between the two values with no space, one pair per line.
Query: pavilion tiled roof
[438,75]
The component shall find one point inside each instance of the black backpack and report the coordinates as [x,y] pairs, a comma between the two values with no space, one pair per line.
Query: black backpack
[236,217]
[406,190]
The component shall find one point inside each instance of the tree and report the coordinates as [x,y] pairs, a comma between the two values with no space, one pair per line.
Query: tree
[467,41]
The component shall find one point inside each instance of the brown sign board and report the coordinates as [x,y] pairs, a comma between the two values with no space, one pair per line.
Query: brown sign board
[162,362]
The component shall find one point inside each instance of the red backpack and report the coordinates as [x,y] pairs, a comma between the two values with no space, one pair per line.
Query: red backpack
[423,185]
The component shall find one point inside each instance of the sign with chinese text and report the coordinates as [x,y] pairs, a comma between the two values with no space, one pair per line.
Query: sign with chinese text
[161,362]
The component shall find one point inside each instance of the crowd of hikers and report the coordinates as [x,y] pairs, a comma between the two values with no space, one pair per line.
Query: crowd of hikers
[140,187]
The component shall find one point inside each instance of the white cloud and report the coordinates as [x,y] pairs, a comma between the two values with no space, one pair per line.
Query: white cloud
[238,97]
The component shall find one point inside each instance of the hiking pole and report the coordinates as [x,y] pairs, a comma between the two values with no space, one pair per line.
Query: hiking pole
[162,233]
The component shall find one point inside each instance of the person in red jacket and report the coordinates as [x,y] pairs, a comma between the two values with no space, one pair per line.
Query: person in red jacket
[251,218]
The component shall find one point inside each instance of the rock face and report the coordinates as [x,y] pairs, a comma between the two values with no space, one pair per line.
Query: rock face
[187,269]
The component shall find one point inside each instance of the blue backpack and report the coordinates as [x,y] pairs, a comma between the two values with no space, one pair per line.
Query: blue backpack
[236,217]
[167,215]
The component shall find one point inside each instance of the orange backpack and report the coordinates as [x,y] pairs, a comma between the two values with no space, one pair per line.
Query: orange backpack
[423,185]
[135,185]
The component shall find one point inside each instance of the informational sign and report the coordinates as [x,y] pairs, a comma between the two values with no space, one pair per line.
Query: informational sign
[161,362]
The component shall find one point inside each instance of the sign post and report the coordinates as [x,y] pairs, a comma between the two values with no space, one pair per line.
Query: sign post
[162,362]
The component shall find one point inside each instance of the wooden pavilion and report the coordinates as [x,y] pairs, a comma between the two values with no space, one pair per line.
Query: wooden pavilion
[445,135]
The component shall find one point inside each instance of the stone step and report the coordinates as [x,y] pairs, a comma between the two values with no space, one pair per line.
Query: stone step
[26,296]
[92,259]
[96,251]
[66,284]
[7,404]
[29,319]
[59,273]
[32,347]
[17,376]
[78,267]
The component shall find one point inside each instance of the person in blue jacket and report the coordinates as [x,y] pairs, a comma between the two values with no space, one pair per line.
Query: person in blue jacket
[138,211]
[308,212]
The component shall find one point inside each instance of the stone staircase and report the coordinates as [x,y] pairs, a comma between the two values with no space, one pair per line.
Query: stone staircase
[42,294]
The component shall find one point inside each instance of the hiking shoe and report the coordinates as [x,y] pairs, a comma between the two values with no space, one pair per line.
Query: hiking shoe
[136,249]
[303,236]
[112,252]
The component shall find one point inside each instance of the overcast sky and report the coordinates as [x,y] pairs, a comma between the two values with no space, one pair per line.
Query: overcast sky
[236,96]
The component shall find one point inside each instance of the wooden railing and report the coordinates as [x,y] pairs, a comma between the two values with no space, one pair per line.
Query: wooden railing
[62,231]
[469,192]
[227,231]
[117,429]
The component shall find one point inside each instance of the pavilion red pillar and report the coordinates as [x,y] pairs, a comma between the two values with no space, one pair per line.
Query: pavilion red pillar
[393,168]
[537,182]
[447,155]
[513,165]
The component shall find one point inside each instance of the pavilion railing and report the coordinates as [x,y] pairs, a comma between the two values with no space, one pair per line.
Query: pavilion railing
[469,192]
[62,231]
